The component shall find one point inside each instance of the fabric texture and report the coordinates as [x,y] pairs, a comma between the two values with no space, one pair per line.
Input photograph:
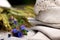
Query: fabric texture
[48,12]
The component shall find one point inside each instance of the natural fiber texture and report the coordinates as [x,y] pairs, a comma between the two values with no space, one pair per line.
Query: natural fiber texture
[48,11]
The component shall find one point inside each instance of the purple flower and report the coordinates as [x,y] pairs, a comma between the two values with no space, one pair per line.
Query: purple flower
[22,27]
[15,22]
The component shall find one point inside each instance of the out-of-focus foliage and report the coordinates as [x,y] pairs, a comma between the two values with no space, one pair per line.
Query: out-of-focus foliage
[27,12]
[20,15]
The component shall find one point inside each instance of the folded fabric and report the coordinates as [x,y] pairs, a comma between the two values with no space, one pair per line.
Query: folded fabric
[52,33]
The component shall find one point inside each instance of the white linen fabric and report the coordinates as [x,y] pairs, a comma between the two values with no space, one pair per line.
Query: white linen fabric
[48,12]
[5,3]
[53,34]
